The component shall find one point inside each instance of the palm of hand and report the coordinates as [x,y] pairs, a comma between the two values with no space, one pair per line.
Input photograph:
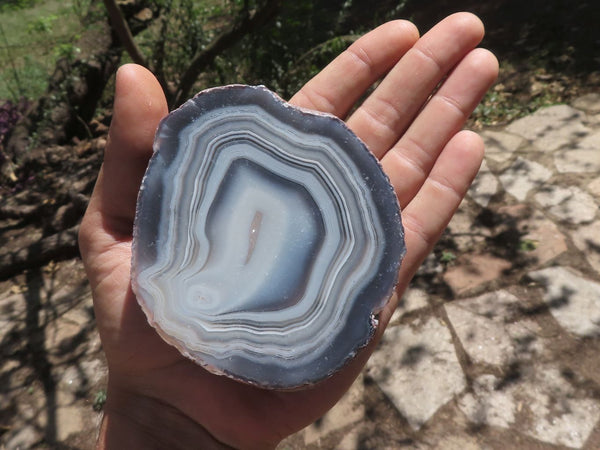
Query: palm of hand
[429,161]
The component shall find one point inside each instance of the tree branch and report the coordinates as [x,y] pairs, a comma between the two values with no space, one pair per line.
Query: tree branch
[228,38]
[121,29]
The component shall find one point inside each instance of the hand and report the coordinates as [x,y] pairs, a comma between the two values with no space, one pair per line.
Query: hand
[156,397]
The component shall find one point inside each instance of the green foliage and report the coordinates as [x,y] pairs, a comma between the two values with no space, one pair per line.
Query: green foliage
[447,257]
[527,245]
[297,43]
[295,46]
[15,5]
[66,50]
[99,400]
[33,35]
[42,24]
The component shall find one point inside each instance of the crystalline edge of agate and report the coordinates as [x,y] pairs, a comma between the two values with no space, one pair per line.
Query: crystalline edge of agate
[387,203]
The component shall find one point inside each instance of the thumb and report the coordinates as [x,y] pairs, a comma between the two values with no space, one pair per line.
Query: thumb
[138,107]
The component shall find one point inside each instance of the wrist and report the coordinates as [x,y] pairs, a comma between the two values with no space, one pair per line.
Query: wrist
[137,421]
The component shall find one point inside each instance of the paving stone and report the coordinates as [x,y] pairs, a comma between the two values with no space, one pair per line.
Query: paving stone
[540,403]
[560,416]
[551,127]
[350,409]
[572,299]
[523,176]
[589,102]
[592,142]
[488,406]
[499,145]
[548,241]
[412,300]
[488,332]
[351,440]
[594,188]
[69,420]
[587,239]
[568,203]
[464,235]
[22,438]
[417,369]
[484,186]
[577,160]
[473,271]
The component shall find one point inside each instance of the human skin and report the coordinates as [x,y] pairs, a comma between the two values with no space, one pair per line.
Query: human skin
[157,398]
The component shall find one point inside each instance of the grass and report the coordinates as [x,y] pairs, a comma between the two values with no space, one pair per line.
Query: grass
[31,39]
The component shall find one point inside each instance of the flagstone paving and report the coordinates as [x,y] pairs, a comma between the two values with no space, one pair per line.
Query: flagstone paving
[498,345]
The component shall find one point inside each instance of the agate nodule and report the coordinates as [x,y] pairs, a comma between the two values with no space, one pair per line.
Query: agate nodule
[266,239]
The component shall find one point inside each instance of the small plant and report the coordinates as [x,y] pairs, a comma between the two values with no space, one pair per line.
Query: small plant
[99,400]
[447,257]
[67,51]
[42,24]
[527,245]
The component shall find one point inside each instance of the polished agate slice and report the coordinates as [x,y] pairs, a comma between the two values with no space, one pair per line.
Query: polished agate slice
[266,240]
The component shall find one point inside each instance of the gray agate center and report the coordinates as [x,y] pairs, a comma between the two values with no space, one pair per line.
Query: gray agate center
[266,238]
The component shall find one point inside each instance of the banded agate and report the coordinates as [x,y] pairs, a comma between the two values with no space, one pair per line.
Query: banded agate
[266,239]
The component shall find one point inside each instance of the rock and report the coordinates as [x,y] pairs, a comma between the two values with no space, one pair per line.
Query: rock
[523,176]
[288,203]
[473,271]
[486,405]
[579,160]
[587,239]
[551,128]
[571,298]
[499,145]
[69,420]
[464,235]
[568,203]
[22,438]
[484,186]
[350,409]
[412,300]
[351,440]
[417,369]
[594,188]
[592,141]
[487,331]
[548,242]
[541,403]
[589,103]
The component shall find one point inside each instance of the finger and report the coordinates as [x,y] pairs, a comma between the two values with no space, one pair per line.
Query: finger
[428,214]
[387,113]
[409,162]
[335,89]
[139,105]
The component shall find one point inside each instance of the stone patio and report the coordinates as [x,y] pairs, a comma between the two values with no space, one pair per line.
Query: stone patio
[495,346]
[506,353]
